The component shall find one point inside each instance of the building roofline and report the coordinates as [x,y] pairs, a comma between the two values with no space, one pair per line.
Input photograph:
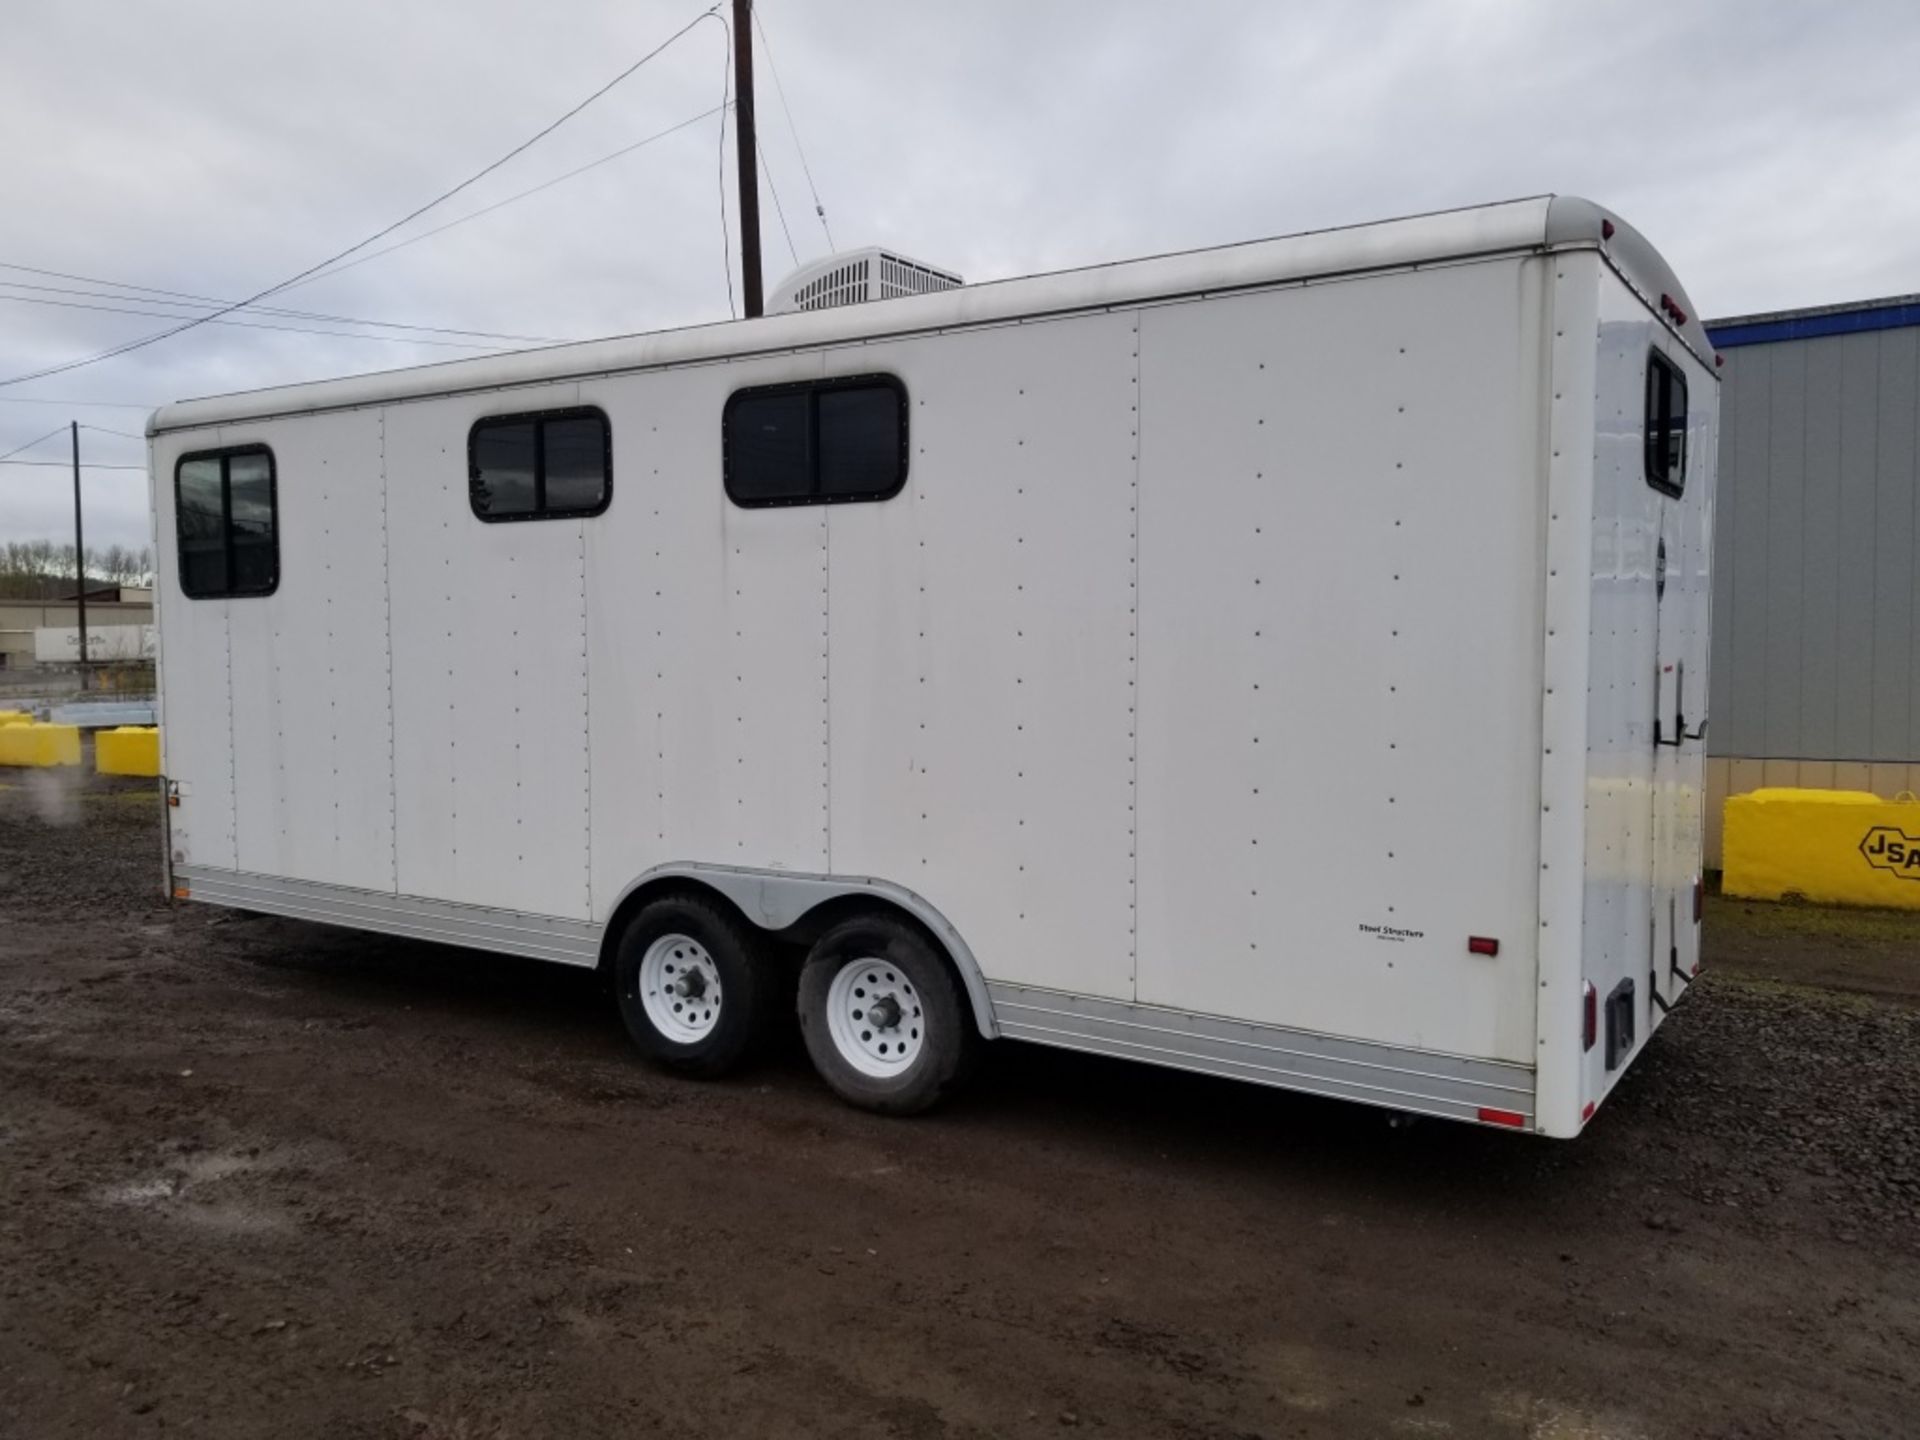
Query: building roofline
[1895,312]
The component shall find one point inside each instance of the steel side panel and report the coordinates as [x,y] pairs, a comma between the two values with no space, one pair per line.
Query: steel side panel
[708,643]
[1644,822]
[771,718]
[982,649]
[1340,657]
[1571,404]
[663,754]
[1822,621]
[1750,444]
[1784,604]
[1896,470]
[1855,651]
[312,719]
[490,675]
[1621,684]
[196,692]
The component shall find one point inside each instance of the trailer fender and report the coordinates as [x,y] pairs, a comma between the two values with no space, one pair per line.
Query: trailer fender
[778,899]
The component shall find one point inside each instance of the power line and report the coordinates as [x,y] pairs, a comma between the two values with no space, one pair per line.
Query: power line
[102,430]
[31,443]
[445,195]
[774,190]
[68,465]
[153,295]
[214,319]
[77,404]
[806,169]
[726,84]
[499,204]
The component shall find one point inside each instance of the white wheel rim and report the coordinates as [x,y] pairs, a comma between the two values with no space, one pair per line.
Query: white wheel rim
[680,988]
[874,1016]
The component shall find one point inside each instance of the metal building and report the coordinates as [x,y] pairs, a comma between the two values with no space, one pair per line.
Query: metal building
[1816,590]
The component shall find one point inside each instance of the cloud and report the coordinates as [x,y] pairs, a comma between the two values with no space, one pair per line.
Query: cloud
[215,147]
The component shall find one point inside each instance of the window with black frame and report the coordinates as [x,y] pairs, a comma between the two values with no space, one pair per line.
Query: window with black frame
[548,465]
[1666,429]
[226,517]
[819,442]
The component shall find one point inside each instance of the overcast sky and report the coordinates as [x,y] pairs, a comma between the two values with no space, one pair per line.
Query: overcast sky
[217,147]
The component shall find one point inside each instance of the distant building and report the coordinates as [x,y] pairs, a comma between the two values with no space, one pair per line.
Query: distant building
[1816,587]
[109,608]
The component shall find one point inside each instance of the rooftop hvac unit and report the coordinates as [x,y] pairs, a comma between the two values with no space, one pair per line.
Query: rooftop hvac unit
[854,277]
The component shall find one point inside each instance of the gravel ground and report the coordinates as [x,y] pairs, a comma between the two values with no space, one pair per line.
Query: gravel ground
[263,1178]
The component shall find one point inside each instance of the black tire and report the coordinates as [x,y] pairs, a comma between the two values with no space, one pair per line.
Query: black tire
[731,947]
[911,974]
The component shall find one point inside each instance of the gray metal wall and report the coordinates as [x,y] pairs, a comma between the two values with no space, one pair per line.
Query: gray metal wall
[1816,598]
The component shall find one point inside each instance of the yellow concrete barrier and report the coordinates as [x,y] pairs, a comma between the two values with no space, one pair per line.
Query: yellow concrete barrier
[1839,847]
[15,717]
[39,745]
[129,750]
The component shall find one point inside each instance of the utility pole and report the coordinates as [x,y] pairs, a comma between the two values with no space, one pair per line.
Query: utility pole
[79,557]
[749,170]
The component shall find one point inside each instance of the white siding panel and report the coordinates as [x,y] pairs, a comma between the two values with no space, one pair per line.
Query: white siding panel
[708,638]
[312,718]
[490,676]
[771,716]
[654,628]
[195,672]
[1340,491]
[982,650]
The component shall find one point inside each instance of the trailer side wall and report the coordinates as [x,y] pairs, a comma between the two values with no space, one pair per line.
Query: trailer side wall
[1196,667]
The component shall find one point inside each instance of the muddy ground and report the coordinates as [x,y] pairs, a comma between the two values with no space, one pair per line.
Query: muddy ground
[259,1178]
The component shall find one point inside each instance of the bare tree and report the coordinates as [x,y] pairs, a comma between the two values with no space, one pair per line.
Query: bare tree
[27,567]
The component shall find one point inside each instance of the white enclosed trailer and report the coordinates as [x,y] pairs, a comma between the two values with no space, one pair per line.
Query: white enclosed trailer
[1285,661]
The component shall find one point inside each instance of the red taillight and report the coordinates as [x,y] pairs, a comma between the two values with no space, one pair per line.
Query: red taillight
[1502,1117]
[1587,1113]
[1482,945]
[1589,1015]
[1699,898]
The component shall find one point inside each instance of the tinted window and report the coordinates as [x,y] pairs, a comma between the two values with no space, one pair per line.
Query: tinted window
[1666,432]
[817,442]
[769,444]
[502,468]
[576,452]
[202,521]
[540,467]
[226,517]
[860,441]
[255,549]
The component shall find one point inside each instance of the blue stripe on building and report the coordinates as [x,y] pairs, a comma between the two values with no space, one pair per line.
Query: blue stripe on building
[1726,336]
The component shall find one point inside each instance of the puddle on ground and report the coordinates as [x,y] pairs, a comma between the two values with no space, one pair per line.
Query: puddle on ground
[1546,1420]
[196,1187]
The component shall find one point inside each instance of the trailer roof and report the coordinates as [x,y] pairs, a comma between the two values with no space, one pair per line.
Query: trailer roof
[1544,222]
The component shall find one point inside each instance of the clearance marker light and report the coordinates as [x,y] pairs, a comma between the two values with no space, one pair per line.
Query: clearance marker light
[1587,1114]
[1606,229]
[1589,1015]
[1502,1117]
[1482,945]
